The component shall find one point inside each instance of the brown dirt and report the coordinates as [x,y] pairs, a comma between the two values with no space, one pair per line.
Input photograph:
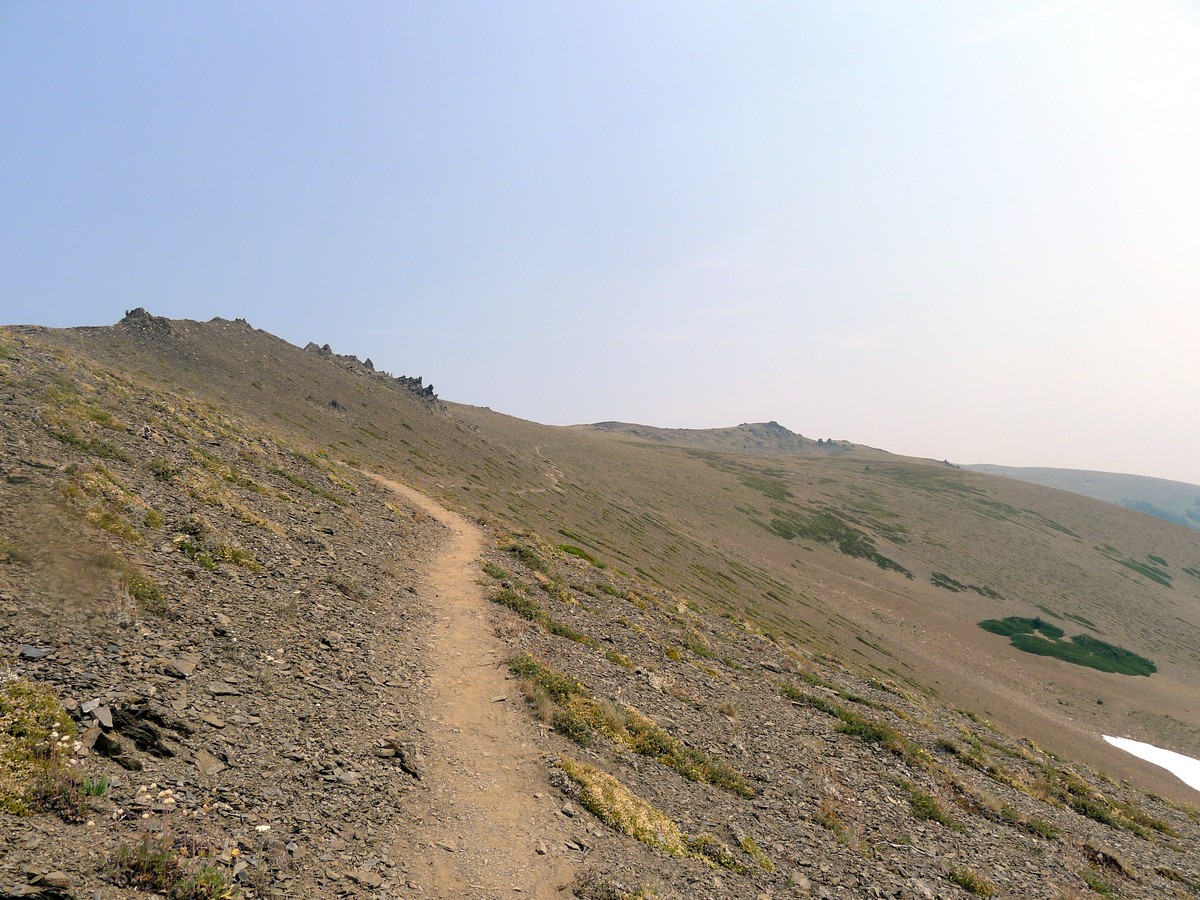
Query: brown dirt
[489,812]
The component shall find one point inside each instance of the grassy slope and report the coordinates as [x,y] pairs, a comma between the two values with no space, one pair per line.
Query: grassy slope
[692,521]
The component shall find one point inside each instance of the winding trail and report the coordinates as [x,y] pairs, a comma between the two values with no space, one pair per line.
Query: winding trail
[491,829]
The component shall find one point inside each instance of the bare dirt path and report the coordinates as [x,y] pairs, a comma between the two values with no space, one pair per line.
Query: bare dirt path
[491,828]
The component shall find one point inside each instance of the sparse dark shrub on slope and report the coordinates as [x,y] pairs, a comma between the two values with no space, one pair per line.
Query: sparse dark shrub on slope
[528,556]
[827,527]
[580,553]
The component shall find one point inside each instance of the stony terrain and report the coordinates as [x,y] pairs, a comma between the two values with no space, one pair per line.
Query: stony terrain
[857,787]
[238,629]
[282,676]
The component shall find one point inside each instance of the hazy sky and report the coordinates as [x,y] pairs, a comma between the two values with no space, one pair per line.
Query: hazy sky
[964,230]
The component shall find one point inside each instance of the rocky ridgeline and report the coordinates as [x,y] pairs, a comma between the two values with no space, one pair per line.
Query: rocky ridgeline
[366,368]
[231,624]
[151,327]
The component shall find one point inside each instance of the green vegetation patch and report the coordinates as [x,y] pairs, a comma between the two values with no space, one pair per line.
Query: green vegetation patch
[718,854]
[527,608]
[1154,573]
[619,659]
[495,571]
[146,592]
[756,853]
[1072,791]
[578,715]
[558,686]
[1081,650]
[869,730]
[523,606]
[1017,625]
[90,446]
[101,500]
[769,487]
[927,808]
[528,556]
[618,807]
[580,553]
[155,864]
[1155,569]
[826,527]
[971,882]
[643,736]
[35,743]
[942,580]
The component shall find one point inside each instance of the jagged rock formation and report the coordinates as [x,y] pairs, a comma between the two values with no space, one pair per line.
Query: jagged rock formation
[141,320]
[366,367]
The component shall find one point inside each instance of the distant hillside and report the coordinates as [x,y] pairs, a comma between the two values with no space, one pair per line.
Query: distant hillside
[1172,501]
[755,437]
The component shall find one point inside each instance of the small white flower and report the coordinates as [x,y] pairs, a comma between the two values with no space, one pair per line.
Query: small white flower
[262,828]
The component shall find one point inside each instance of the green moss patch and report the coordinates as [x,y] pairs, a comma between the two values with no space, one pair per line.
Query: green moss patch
[826,527]
[1014,625]
[1081,650]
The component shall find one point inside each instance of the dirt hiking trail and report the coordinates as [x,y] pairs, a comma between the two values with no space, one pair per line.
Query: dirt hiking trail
[491,827]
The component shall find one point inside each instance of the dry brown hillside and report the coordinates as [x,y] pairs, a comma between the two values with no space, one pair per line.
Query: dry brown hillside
[738,671]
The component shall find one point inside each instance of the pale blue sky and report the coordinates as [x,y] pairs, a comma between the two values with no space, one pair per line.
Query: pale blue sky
[964,230]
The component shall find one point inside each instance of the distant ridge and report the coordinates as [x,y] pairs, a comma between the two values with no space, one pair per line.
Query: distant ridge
[1172,501]
[753,437]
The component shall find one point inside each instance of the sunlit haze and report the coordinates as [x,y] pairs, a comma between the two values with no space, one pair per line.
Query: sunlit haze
[954,230]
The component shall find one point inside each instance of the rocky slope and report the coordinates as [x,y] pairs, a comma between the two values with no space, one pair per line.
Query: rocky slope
[230,621]
[800,777]
[239,627]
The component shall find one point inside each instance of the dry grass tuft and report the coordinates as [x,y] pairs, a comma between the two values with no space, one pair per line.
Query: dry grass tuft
[616,806]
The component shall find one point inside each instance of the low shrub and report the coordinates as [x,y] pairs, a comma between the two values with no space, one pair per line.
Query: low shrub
[971,882]
[580,553]
[35,744]
[154,864]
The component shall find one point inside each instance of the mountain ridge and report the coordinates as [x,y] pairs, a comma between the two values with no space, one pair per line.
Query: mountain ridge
[1172,501]
[749,437]
[686,625]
